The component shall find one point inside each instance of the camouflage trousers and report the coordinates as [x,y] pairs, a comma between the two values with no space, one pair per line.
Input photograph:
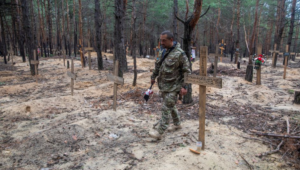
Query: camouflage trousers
[168,108]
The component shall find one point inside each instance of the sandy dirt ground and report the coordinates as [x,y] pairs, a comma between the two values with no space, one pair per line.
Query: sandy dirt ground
[43,127]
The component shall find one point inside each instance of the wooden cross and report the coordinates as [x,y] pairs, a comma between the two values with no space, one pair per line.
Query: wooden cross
[274,56]
[157,49]
[216,60]
[222,47]
[35,62]
[202,81]
[89,49]
[286,55]
[258,72]
[117,81]
[72,76]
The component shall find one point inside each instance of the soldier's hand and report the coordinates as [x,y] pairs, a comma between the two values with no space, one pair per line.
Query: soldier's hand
[183,91]
[152,81]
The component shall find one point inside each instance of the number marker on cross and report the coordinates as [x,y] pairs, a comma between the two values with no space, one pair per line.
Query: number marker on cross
[202,81]
[117,81]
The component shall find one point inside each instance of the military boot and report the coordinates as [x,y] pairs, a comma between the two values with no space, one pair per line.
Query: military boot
[174,128]
[155,134]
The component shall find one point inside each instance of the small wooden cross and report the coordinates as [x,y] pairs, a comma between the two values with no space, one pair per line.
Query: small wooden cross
[202,81]
[274,55]
[89,49]
[222,47]
[157,49]
[72,76]
[258,72]
[117,81]
[217,55]
[286,55]
[35,62]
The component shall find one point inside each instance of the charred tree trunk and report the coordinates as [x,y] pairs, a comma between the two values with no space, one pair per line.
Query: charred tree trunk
[279,26]
[81,34]
[3,40]
[50,26]
[189,26]
[75,29]
[175,23]
[119,45]
[249,71]
[291,31]
[134,43]
[98,34]
[28,33]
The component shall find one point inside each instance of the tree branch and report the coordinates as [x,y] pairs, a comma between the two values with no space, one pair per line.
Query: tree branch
[179,19]
[205,12]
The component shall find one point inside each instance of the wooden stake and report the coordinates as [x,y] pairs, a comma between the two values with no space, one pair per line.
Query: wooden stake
[72,76]
[116,85]
[286,55]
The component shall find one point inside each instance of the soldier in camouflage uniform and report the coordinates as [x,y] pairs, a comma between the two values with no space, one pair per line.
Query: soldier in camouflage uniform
[170,67]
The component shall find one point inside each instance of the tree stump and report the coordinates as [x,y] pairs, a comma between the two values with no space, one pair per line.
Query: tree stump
[297,97]
[249,73]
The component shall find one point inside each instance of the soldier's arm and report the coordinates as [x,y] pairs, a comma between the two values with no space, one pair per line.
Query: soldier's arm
[185,67]
[155,71]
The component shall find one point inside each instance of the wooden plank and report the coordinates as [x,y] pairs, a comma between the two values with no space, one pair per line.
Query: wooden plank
[71,75]
[292,53]
[72,79]
[285,60]
[216,66]
[88,49]
[116,85]
[90,62]
[33,62]
[115,79]
[204,81]
[202,95]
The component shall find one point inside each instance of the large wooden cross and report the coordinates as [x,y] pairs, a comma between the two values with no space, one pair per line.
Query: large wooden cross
[258,72]
[203,82]
[222,47]
[89,50]
[117,81]
[35,62]
[286,55]
[72,76]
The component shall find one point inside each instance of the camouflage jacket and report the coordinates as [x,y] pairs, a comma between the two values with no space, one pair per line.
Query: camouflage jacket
[170,73]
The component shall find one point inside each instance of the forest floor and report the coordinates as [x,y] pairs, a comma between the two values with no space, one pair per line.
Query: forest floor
[43,127]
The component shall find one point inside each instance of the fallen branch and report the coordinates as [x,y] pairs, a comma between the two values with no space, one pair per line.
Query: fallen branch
[249,165]
[275,135]
[273,151]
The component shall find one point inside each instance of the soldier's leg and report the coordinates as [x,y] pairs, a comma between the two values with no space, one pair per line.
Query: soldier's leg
[167,108]
[175,115]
